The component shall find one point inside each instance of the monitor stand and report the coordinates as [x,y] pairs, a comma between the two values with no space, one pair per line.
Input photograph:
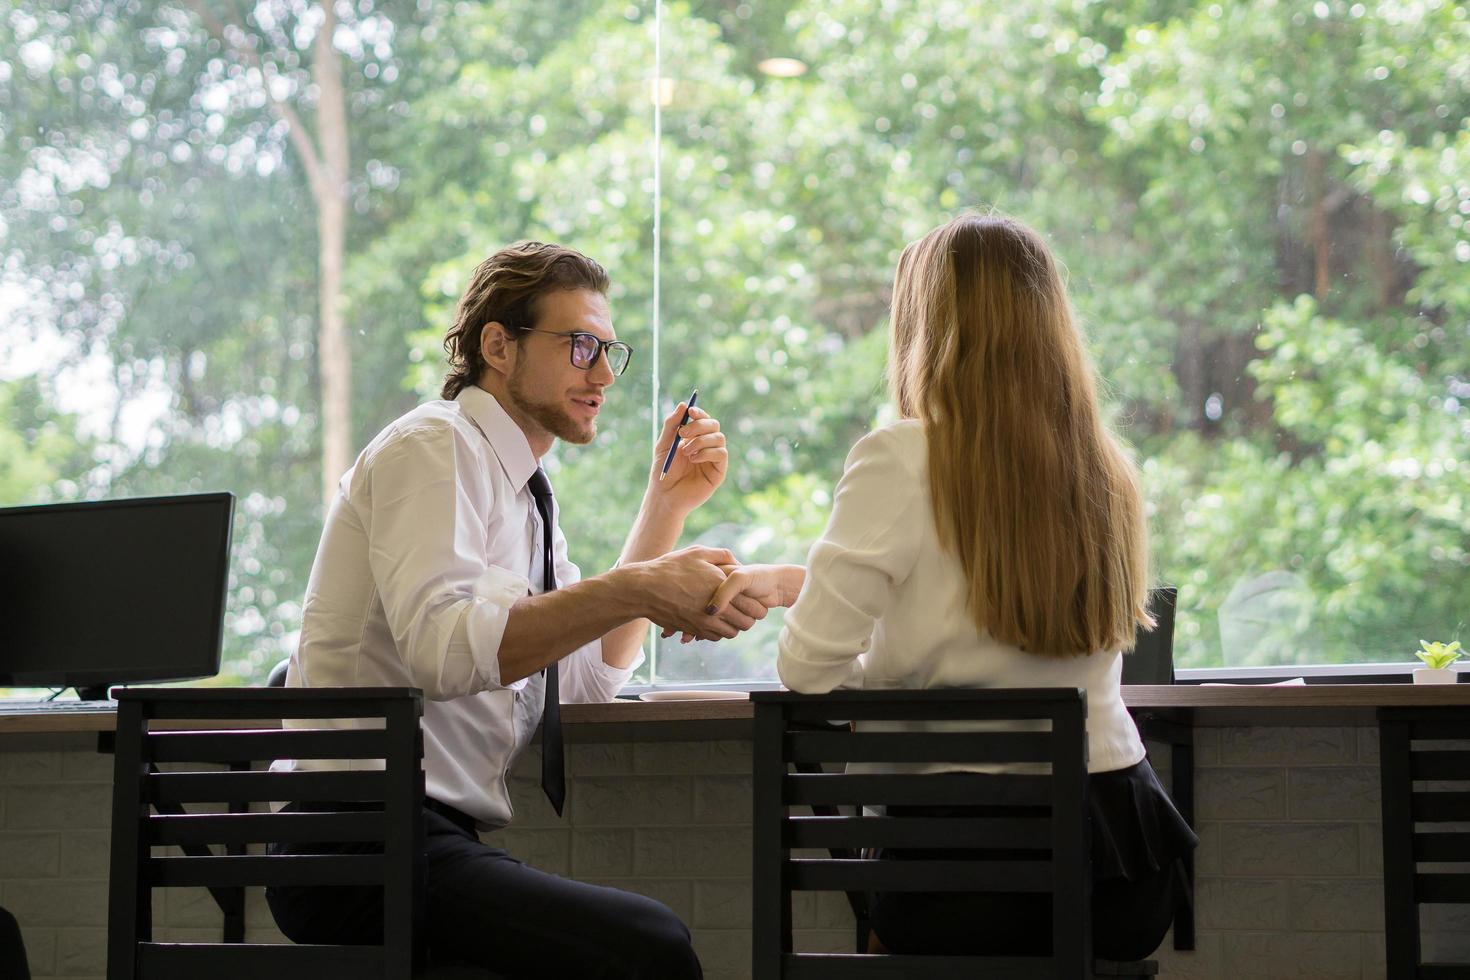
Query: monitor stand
[92,692]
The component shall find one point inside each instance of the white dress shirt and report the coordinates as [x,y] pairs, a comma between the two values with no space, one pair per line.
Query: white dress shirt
[430,539]
[884,605]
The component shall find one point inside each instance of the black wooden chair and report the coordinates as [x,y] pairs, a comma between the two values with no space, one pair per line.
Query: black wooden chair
[13,965]
[1043,815]
[139,787]
[1152,658]
[1420,751]
[1152,662]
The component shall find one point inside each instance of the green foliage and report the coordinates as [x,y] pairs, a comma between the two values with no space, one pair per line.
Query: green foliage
[1263,210]
[41,456]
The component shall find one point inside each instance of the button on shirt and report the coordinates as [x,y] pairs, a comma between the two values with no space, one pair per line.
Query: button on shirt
[430,539]
[884,606]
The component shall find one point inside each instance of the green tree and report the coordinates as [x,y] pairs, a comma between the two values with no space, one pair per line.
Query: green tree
[42,458]
[1262,208]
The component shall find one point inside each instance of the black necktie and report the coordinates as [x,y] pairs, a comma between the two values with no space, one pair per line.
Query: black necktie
[553,772]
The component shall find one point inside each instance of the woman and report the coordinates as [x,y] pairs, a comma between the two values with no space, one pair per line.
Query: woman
[994,537]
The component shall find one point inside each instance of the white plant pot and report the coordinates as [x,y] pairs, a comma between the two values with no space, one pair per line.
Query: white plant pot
[1436,675]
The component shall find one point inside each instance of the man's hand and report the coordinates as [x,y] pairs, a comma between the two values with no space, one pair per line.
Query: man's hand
[699,464]
[676,590]
[742,613]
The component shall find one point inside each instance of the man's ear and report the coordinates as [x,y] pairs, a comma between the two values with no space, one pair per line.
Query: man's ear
[497,348]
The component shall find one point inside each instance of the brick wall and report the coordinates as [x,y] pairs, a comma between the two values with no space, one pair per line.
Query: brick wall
[55,815]
[1288,868]
[1287,876]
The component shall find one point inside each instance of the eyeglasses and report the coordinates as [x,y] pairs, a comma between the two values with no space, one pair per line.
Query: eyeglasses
[587,348]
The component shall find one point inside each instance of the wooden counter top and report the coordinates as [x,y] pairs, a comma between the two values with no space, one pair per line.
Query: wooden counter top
[584,722]
[1235,705]
[1311,704]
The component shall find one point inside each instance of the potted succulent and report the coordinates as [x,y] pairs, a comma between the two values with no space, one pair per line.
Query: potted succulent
[1438,660]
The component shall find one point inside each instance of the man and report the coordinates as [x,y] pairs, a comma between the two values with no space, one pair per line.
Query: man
[432,573]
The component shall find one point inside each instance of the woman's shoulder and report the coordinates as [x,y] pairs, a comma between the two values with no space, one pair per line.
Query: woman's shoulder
[906,437]
[903,442]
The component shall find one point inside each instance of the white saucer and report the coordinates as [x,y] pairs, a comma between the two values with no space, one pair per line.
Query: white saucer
[694,696]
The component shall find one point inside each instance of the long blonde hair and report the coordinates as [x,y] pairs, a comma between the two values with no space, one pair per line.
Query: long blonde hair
[1038,500]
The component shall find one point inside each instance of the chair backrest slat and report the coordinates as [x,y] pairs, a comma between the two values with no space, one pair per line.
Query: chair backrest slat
[835,789]
[217,746]
[932,832]
[827,874]
[265,703]
[1447,846]
[1431,724]
[1441,888]
[258,828]
[240,870]
[233,961]
[845,966]
[263,787]
[1450,764]
[944,746]
[1440,807]
[929,705]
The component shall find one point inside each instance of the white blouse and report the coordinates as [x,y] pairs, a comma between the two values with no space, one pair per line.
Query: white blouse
[884,605]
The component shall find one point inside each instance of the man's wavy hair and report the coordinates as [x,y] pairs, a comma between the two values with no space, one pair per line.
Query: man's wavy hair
[504,290]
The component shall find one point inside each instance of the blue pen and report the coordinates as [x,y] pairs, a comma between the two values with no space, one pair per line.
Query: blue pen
[675,446]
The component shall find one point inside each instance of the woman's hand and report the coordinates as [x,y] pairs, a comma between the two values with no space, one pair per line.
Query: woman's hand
[770,585]
[749,592]
[742,613]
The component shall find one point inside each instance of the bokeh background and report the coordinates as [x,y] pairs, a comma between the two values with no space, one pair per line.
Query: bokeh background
[232,235]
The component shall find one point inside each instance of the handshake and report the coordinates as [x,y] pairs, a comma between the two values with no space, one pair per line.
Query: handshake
[706,594]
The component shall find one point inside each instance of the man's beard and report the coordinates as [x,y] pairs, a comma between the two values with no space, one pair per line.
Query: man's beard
[551,416]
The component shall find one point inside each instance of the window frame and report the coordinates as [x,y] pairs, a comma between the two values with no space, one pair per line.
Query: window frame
[1369,673]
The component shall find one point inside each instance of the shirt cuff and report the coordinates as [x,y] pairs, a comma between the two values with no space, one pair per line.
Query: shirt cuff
[811,677]
[600,680]
[495,591]
[617,675]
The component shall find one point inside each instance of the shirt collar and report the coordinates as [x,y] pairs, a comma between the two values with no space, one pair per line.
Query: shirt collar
[505,437]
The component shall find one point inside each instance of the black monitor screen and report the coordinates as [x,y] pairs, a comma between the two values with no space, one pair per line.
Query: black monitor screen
[113,591]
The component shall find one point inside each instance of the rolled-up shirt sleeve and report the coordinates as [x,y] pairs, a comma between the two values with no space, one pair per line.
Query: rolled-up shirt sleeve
[445,605]
[583,675]
[866,550]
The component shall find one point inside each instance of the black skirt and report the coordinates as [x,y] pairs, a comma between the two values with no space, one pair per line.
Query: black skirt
[1136,830]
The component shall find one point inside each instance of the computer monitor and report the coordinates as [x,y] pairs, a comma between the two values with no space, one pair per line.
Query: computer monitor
[113,591]
[1152,658]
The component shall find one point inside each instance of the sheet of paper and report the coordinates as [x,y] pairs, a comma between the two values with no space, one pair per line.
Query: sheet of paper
[1293,682]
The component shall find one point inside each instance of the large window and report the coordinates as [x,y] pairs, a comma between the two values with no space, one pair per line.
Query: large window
[232,235]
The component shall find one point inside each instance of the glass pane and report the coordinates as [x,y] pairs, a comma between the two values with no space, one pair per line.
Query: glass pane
[1268,253]
[167,241]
